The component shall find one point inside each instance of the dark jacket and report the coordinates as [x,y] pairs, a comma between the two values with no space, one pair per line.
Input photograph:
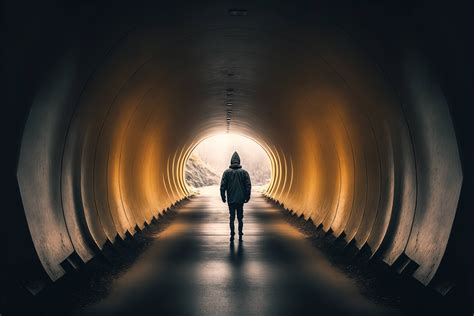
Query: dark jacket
[236,181]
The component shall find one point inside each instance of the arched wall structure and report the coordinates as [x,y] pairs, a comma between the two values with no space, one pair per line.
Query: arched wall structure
[359,132]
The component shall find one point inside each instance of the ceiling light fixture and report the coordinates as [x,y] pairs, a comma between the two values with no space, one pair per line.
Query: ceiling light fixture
[238,12]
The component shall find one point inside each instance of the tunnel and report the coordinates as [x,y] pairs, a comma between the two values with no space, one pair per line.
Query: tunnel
[364,110]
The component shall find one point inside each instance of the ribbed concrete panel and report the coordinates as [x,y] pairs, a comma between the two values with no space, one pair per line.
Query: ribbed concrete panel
[39,169]
[404,191]
[438,169]
[385,207]
[360,180]
[345,154]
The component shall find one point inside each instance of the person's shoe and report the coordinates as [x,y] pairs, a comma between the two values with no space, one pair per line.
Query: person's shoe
[240,238]
[231,238]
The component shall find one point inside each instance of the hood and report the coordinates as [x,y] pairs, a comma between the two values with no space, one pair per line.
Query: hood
[235,161]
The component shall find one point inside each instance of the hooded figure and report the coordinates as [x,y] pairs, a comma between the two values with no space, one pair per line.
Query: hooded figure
[236,182]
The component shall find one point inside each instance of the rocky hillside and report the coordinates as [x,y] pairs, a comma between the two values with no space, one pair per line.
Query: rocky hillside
[199,174]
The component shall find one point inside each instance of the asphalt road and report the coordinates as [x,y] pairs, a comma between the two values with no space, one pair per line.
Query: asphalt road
[191,268]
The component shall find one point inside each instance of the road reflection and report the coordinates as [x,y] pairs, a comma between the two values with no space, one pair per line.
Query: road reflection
[236,254]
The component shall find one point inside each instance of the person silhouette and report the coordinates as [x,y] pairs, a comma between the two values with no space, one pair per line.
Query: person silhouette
[236,183]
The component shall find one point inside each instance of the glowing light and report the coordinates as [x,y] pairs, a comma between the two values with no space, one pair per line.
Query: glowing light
[217,150]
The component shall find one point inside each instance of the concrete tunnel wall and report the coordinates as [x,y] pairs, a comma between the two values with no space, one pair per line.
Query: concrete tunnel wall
[365,150]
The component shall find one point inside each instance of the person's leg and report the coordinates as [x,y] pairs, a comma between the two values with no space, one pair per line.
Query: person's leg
[231,220]
[240,218]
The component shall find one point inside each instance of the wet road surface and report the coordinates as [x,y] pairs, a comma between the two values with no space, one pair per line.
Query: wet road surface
[193,269]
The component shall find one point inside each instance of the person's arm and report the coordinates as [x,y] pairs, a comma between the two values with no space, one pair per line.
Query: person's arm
[223,186]
[248,186]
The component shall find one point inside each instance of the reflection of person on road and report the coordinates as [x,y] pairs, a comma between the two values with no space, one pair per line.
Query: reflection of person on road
[236,257]
[236,182]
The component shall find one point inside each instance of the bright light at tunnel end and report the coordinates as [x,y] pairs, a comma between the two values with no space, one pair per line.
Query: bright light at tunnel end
[214,153]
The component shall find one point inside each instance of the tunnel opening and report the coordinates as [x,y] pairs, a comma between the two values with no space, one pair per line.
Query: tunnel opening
[211,156]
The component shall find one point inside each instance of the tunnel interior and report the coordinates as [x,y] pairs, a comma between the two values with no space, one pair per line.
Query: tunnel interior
[362,110]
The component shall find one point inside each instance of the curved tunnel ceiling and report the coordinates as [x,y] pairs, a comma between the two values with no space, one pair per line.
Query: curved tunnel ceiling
[364,149]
